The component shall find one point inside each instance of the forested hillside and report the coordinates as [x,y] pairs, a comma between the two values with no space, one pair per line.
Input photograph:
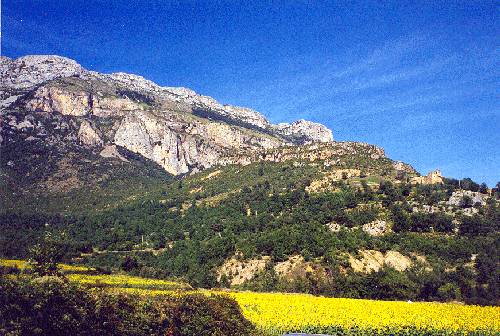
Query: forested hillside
[302,226]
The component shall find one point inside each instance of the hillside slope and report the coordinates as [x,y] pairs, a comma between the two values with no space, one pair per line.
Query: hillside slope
[343,226]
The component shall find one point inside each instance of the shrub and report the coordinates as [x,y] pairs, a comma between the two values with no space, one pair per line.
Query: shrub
[465,202]
[449,292]
[198,314]
[400,219]
[53,306]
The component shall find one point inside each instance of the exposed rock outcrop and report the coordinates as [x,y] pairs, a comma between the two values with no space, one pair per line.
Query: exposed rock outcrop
[475,197]
[404,167]
[52,99]
[177,128]
[28,71]
[305,131]
[88,135]
[296,267]
[376,228]
[236,271]
[373,261]
[111,151]
[334,227]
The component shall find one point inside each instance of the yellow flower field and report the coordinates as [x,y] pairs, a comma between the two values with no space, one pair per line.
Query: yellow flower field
[285,312]
[22,264]
[127,281]
[276,313]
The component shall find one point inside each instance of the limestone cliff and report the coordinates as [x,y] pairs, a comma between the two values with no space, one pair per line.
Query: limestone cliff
[306,131]
[180,130]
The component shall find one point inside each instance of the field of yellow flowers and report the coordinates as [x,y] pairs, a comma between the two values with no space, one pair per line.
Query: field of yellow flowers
[278,313]
[127,281]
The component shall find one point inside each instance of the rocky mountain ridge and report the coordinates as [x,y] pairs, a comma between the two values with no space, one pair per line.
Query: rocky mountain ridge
[53,101]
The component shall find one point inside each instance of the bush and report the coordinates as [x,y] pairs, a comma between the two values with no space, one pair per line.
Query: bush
[45,255]
[43,306]
[449,291]
[53,306]
[465,202]
[388,283]
[422,222]
[198,314]
[400,219]
[129,264]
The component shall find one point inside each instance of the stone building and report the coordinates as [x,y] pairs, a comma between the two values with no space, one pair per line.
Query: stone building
[434,177]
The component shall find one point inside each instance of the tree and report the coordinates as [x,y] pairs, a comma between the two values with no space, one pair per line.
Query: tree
[483,188]
[465,202]
[261,171]
[406,189]
[468,184]
[400,219]
[401,175]
[392,194]
[449,292]
[129,264]
[496,190]
[367,191]
[488,275]
[390,284]
[471,226]
[45,255]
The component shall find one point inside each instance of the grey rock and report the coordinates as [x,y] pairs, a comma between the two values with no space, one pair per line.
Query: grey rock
[458,195]
[376,228]
[65,105]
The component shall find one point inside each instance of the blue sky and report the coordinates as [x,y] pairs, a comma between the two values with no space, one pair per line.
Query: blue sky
[419,78]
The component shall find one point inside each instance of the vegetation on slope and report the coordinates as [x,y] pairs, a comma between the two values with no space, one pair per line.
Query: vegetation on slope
[187,228]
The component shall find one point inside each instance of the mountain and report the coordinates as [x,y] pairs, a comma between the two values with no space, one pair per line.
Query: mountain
[122,169]
[66,128]
[174,127]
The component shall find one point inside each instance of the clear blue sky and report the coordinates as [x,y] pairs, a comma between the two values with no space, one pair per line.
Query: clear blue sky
[419,78]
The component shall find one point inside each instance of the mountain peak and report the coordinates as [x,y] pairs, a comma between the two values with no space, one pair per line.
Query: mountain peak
[175,127]
[24,73]
[28,71]
[313,132]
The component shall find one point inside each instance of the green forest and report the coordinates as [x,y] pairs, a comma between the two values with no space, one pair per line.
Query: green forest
[185,228]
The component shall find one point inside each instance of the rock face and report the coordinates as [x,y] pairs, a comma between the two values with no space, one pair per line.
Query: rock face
[111,151]
[373,261]
[59,100]
[88,135]
[476,197]
[305,131]
[334,227]
[237,272]
[29,71]
[376,228]
[180,130]
[404,167]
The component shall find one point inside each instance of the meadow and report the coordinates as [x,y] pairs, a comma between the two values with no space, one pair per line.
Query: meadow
[278,313]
